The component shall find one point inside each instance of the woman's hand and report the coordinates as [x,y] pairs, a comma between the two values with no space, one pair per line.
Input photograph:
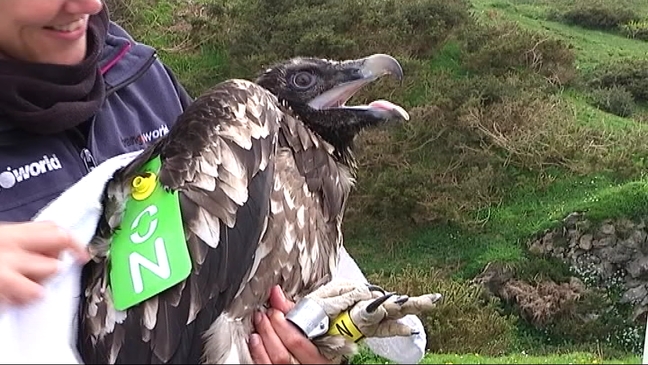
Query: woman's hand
[278,341]
[29,254]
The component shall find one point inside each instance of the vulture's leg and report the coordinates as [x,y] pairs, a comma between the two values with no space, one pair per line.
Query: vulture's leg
[371,313]
[379,317]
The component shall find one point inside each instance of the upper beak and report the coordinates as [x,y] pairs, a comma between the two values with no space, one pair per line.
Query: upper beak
[378,65]
[358,73]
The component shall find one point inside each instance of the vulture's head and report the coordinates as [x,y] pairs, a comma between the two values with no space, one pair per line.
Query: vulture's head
[317,90]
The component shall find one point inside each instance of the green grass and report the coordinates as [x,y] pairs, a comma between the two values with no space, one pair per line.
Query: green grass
[593,47]
[526,211]
[573,358]
[366,357]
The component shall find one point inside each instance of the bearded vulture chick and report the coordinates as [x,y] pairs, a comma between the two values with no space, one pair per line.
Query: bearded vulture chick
[262,172]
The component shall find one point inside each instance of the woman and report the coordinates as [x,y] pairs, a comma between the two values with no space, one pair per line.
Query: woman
[77,90]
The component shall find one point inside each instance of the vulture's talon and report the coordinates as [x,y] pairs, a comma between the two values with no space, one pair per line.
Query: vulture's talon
[402,300]
[378,302]
[372,287]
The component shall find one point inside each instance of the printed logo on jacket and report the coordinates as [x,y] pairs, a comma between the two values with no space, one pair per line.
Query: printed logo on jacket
[146,137]
[16,174]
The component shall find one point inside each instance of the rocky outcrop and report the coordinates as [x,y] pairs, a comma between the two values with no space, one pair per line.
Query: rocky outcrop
[538,303]
[613,253]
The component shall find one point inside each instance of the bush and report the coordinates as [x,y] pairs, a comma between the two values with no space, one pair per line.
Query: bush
[636,29]
[565,311]
[599,16]
[632,75]
[616,100]
[504,47]
[258,32]
[457,153]
[465,321]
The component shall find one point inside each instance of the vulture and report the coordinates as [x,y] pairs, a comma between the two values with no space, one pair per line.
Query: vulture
[255,178]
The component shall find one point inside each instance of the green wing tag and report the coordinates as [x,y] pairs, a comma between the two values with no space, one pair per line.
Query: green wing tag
[148,254]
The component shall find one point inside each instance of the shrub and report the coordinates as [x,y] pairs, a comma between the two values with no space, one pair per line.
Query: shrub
[455,155]
[505,47]
[563,312]
[616,100]
[258,32]
[465,321]
[632,75]
[636,29]
[599,16]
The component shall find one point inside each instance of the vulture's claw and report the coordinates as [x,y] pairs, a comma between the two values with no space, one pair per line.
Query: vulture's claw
[359,307]
[372,287]
[402,300]
[379,317]
[378,302]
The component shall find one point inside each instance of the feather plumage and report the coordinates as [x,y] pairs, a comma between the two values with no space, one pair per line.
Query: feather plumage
[262,190]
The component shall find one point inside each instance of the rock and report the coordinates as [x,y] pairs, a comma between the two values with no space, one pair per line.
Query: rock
[547,241]
[636,239]
[573,242]
[605,269]
[631,283]
[585,242]
[536,248]
[571,219]
[634,295]
[638,266]
[604,241]
[607,254]
[573,233]
[624,228]
[607,229]
[640,312]
[619,254]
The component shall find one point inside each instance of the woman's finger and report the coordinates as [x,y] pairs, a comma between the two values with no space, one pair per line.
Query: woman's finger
[36,267]
[258,351]
[304,351]
[18,289]
[278,300]
[46,238]
[277,352]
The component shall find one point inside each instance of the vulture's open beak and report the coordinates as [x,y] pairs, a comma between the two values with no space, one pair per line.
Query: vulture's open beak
[358,73]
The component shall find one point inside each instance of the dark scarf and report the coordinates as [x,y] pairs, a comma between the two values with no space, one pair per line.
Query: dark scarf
[46,98]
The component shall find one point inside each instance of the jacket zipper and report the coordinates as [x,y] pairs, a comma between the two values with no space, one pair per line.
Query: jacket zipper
[135,76]
[88,159]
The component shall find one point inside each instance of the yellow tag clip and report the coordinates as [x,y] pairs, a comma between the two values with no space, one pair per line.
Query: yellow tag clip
[143,186]
[343,325]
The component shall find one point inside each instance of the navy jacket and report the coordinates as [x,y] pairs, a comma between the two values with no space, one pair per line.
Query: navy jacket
[143,100]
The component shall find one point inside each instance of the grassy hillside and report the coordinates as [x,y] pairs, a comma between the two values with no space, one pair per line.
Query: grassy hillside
[522,112]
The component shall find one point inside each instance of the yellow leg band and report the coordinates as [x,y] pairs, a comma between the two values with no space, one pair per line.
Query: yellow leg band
[343,325]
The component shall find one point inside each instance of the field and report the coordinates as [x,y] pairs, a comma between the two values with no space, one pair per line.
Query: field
[523,112]
[518,358]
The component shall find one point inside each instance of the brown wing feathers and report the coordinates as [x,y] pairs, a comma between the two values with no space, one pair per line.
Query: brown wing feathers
[219,157]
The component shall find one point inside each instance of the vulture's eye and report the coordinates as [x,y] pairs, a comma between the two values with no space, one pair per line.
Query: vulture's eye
[303,80]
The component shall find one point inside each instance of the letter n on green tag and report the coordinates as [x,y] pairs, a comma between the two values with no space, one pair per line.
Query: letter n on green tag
[148,254]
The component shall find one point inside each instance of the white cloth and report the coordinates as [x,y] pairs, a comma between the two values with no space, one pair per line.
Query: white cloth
[44,332]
